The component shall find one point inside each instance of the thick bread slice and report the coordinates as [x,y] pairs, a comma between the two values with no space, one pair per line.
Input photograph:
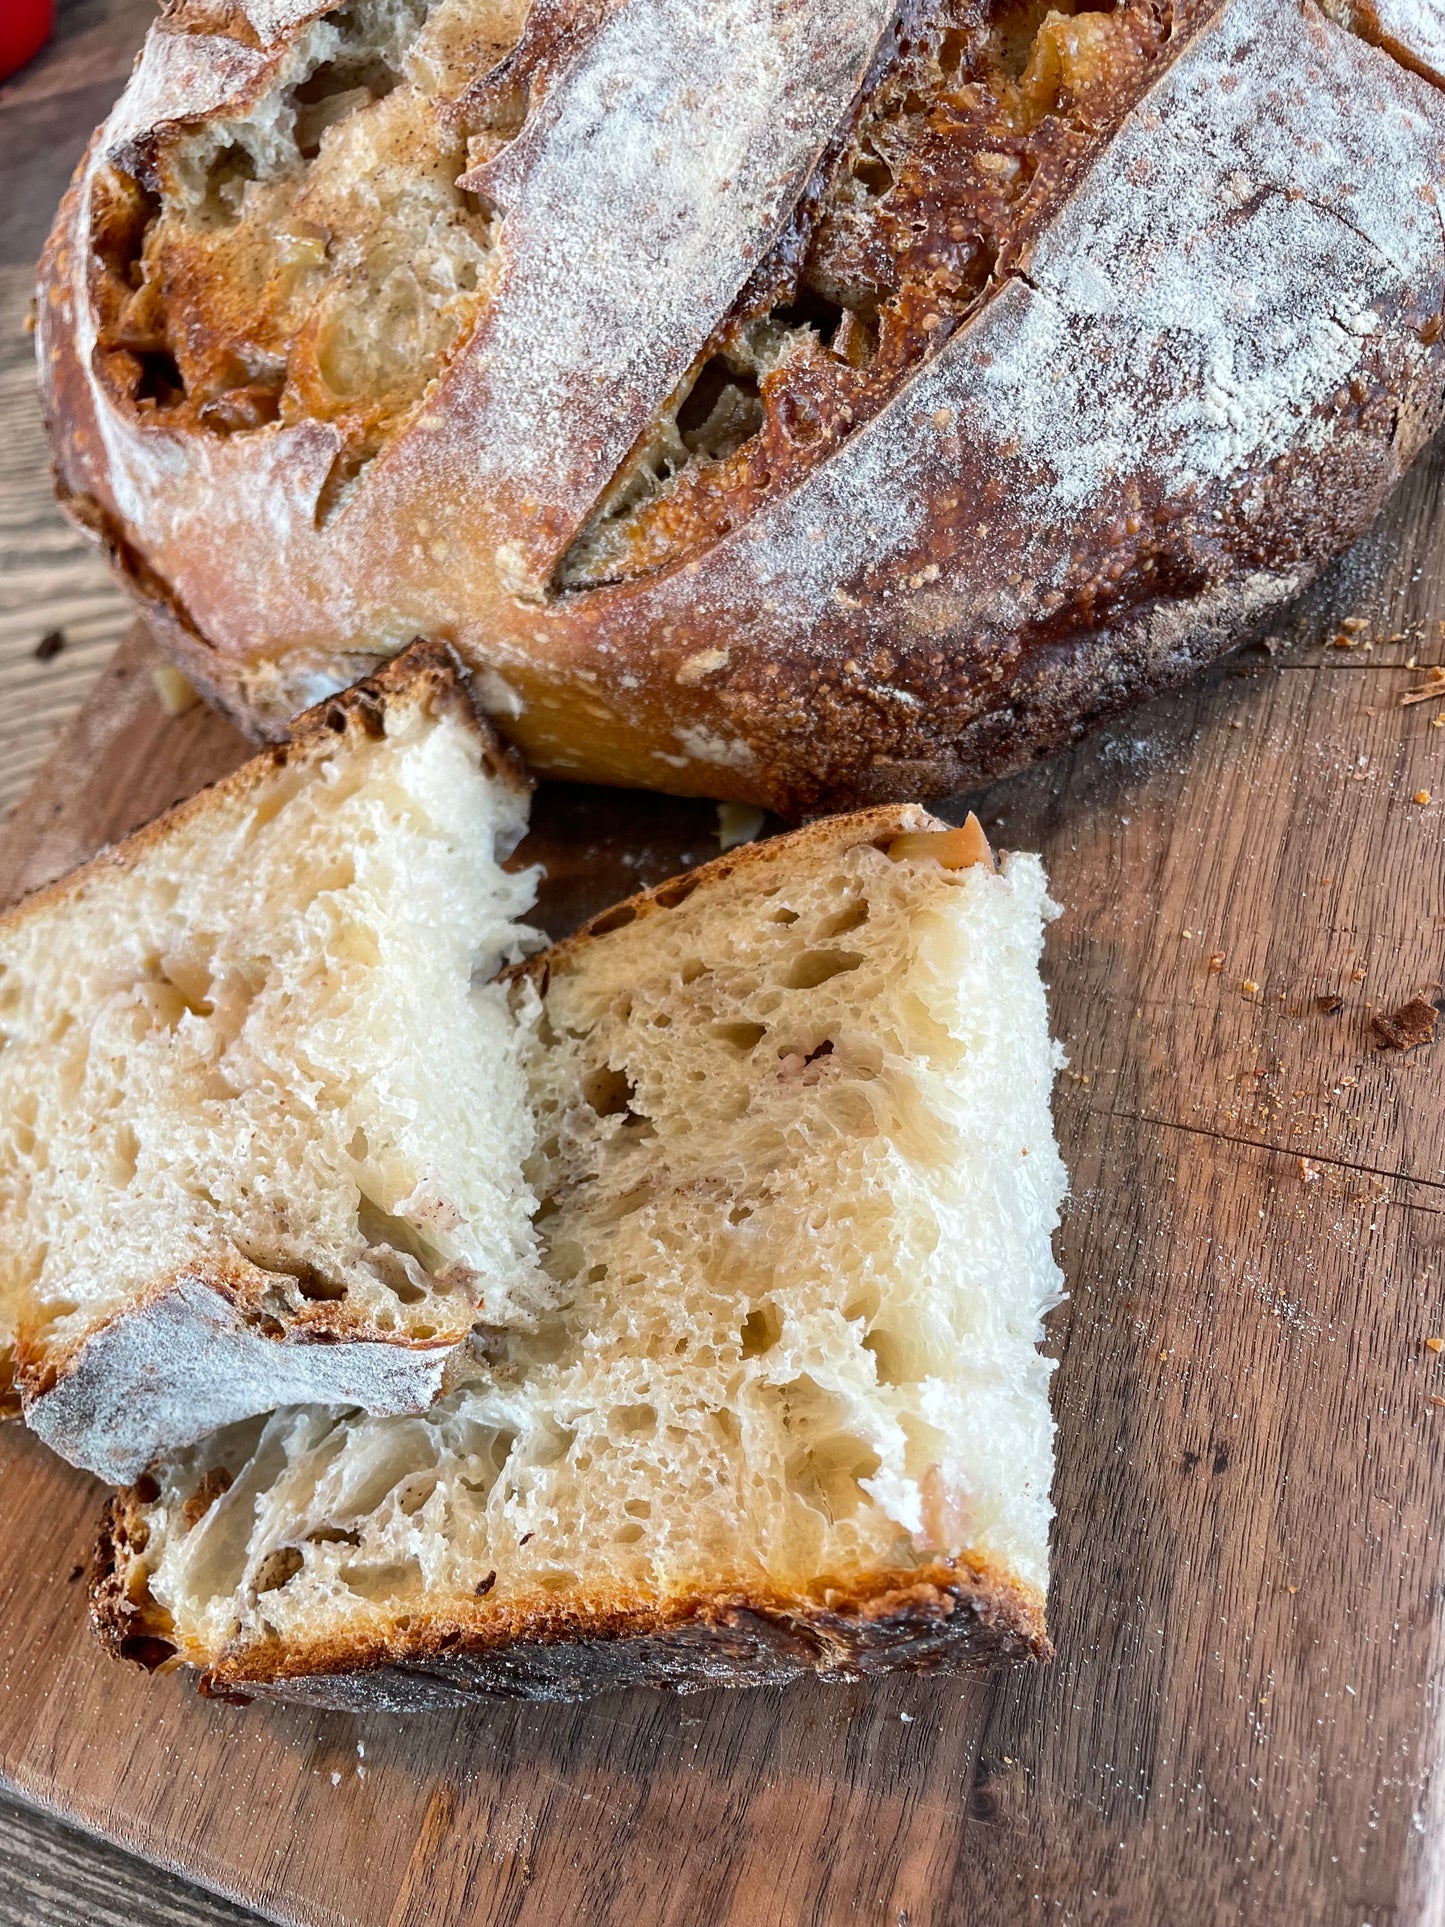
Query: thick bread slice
[242,1157]
[797,1180]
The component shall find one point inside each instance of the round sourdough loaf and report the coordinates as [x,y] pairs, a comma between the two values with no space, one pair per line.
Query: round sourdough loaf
[803,402]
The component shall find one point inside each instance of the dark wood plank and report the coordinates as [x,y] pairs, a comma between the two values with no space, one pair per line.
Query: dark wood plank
[57,1878]
[50,579]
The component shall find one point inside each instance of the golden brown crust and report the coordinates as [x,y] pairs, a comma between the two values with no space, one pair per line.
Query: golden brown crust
[960,1615]
[939,598]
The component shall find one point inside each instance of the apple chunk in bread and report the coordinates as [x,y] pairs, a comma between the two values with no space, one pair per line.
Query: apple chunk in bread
[242,1156]
[796,1180]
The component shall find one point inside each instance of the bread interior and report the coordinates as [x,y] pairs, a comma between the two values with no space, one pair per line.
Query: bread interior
[260,1045]
[796,1181]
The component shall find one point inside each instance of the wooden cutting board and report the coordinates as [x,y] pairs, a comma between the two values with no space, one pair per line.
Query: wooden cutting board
[1242,1724]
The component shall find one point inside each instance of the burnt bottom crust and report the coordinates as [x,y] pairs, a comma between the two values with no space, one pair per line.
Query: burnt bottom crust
[960,1616]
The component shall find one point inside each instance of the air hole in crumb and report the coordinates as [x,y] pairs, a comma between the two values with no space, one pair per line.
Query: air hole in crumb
[126,1156]
[783,915]
[817,967]
[692,969]
[761,1330]
[160,381]
[813,310]
[336,719]
[744,1037]
[874,174]
[281,1564]
[382,1582]
[231,168]
[628,1535]
[146,1651]
[632,1421]
[670,895]
[890,1357]
[611,920]
[339,483]
[609,1092]
[722,410]
[314,1284]
[849,918]
[146,1489]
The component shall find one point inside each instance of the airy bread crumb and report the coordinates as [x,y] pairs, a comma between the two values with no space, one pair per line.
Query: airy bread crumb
[796,1180]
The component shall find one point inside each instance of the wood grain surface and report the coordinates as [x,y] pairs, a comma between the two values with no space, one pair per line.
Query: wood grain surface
[1244,1722]
[51,582]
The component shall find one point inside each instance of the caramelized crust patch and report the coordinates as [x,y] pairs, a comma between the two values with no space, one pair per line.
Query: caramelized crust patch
[314,257]
[981,126]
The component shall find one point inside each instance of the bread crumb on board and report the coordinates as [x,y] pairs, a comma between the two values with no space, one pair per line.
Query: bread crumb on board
[173,690]
[1408,1027]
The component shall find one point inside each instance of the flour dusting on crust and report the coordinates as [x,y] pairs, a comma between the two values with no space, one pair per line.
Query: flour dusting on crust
[638,199]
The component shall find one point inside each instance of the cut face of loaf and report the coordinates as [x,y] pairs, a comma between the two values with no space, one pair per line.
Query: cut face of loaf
[242,1158]
[796,1177]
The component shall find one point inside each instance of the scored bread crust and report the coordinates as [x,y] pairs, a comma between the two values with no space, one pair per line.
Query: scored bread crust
[1200,385]
[963,1615]
[202,1342]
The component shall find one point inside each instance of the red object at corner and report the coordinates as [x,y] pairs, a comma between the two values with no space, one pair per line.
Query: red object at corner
[24,29]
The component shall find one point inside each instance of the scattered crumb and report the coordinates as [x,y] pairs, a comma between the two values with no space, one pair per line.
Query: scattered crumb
[1291,1588]
[1216,963]
[1309,1171]
[738,823]
[50,645]
[173,689]
[1435,1400]
[1411,1025]
[335,1777]
[1327,1003]
[1354,625]
[1422,796]
[1435,1344]
[1357,975]
[1250,987]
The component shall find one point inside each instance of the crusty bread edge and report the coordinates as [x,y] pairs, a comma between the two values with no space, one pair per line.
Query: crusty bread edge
[424,674]
[877,826]
[965,1614]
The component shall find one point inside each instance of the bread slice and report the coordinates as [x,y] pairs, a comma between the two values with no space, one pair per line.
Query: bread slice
[243,1160]
[797,1179]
